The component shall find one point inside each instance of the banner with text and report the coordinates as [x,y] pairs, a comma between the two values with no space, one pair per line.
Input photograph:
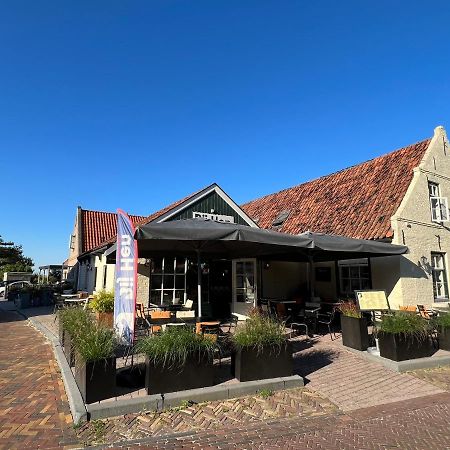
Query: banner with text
[125,283]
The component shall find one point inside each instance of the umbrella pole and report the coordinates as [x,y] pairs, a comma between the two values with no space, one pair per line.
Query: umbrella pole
[311,278]
[199,284]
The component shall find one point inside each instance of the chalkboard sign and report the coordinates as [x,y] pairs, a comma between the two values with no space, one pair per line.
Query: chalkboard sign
[372,300]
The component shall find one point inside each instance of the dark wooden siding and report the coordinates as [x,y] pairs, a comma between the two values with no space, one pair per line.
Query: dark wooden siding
[206,204]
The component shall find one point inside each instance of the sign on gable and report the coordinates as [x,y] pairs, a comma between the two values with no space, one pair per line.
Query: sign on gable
[216,217]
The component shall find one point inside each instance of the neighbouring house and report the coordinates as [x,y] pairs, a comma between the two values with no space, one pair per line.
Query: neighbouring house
[400,197]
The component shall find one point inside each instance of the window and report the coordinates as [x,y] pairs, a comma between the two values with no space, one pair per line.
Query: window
[354,275]
[438,204]
[105,274]
[168,281]
[439,274]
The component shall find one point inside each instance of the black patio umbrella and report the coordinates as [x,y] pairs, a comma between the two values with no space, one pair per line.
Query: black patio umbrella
[207,237]
[330,247]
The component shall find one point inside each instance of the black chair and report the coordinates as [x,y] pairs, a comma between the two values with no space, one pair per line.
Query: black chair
[327,319]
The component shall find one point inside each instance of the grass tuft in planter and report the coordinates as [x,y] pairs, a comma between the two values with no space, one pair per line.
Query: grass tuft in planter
[176,360]
[404,336]
[442,324]
[95,368]
[261,349]
[259,332]
[73,321]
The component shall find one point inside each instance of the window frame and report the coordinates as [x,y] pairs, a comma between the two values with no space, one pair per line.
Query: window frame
[435,280]
[439,211]
[354,263]
[168,273]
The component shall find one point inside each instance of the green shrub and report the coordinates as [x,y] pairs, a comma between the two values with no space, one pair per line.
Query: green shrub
[259,331]
[103,302]
[172,348]
[405,324]
[75,320]
[442,321]
[95,343]
[350,309]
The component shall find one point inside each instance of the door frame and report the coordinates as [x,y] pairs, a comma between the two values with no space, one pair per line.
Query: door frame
[255,278]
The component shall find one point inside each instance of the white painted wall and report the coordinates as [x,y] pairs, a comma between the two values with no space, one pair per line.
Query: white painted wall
[413,227]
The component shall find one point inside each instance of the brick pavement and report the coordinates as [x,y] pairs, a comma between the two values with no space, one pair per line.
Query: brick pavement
[34,410]
[352,382]
[211,415]
[439,376]
[416,424]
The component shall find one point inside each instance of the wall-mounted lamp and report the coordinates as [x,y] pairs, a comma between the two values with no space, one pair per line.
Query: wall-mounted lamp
[266,266]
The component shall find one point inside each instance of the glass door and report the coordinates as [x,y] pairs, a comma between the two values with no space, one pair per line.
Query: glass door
[244,286]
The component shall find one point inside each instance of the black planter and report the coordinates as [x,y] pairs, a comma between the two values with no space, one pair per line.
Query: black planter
[60,332]
[354,332]
[444,338]
[96,380]
[400,348]
[197,372]
[272,362]
[69,351]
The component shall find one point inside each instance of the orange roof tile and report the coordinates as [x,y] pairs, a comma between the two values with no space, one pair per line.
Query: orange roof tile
[98,226]
[356,202]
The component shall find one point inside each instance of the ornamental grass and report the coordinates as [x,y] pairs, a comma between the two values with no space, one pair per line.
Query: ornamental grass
[350,309]
[405,324]
[173,347]
[260,331]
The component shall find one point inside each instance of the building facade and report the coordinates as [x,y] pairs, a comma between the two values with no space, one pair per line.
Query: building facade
[400,197]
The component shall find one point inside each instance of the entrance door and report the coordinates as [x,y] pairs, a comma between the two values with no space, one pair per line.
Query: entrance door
[244,286]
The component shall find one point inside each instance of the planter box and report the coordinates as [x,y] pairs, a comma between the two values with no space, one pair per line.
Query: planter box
[96,380]
[61,332]
[444,338]
[23,300]
[105,319]
[354,332]
[69,351]
[399,348]
[196,373]
[272,362]
[46,297]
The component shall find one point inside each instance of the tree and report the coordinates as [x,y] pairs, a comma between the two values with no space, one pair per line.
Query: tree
[12,258]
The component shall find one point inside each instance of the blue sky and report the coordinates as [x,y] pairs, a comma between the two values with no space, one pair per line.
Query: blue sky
[135,104]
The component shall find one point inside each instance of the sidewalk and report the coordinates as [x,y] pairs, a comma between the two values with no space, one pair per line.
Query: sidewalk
[34,411]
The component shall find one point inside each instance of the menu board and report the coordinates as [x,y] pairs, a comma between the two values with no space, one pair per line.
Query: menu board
[372,300]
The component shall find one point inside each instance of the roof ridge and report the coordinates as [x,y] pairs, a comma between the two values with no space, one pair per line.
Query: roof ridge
[109,212]
[339,171]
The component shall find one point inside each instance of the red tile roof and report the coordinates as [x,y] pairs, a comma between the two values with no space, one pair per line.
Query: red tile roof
[97,227]
[355,202]
[100,228]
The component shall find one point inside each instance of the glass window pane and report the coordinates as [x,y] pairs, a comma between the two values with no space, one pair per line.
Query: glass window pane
[345,272]
[354,272]
[180,296]
[157,265]
[168,281]
[239,281]
[156,281]
[345,285]
[355,285]
[169,265]
[179,281]
[240,297]
[180,265]
[167,297]
[155,297]
[364,271]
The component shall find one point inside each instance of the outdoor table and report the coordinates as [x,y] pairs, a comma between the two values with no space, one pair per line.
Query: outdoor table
[200,325]
[68,296]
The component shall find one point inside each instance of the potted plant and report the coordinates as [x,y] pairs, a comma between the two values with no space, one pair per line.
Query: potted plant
[442,324]
[176,360]
[261,349]
[403,336]
[353,326]
[95,363]
[72,321]
[103,305]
